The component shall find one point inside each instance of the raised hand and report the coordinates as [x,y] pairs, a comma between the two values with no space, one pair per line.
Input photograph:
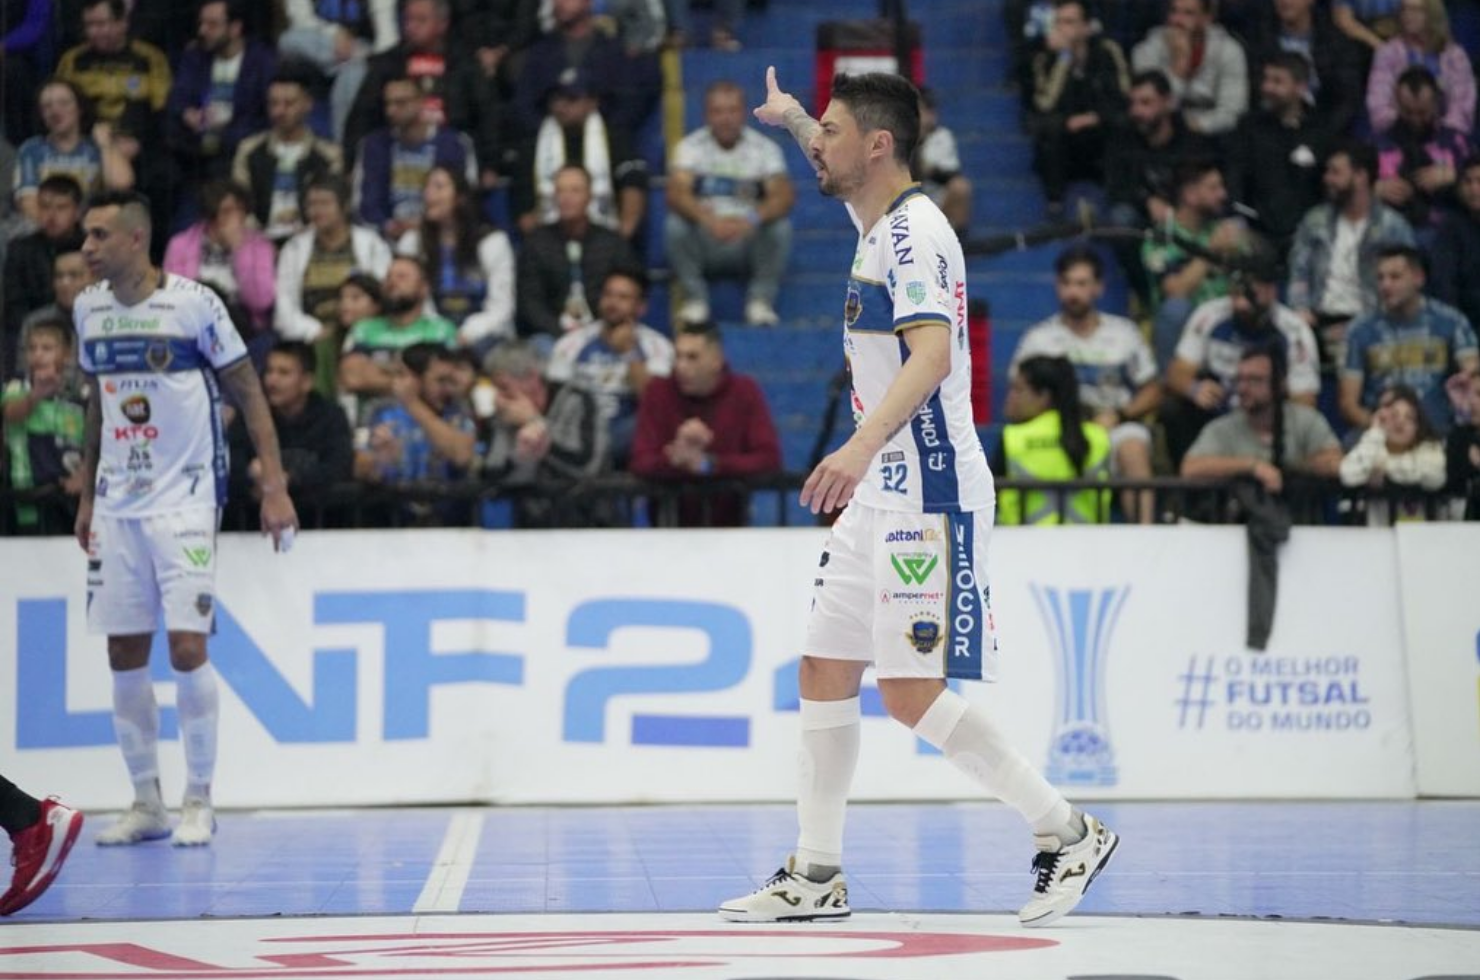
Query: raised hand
[778,103]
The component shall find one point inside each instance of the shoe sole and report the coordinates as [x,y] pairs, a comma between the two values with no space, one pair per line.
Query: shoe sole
[740,915]
[1053,916]
[53,864]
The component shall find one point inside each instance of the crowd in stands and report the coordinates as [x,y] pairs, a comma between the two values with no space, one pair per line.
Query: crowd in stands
[333,172]
[1305,172]
[1307,193]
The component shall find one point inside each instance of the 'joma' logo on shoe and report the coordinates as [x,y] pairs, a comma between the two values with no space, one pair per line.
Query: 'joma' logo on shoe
[1075,872]
[786,897]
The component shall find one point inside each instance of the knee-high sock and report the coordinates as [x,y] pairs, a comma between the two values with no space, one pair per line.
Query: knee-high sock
[136,723]
[198,703]
[976,746]
[825,764]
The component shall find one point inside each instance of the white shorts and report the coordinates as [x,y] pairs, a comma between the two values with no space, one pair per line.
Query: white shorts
[139,566]
[906,592]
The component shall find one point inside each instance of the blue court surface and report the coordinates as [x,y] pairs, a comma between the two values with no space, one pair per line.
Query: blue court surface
[1197,890]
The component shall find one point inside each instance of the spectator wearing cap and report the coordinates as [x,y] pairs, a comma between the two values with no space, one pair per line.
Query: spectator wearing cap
[220,92]
[452,93]
[575,41]
[394,162]
[1200,378]
[704,421]
[728,200]
[575,131]
[276,165]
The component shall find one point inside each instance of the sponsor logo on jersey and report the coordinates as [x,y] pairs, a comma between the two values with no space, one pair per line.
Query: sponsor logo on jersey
[914,569]
[159,356]
[853,307]
[128,433]
[942,271]
[915,290]
[926,534]
[899,234]
[136,409]
[925,634]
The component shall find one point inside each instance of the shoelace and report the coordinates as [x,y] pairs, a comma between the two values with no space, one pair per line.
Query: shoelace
[781,875]
[1044,863]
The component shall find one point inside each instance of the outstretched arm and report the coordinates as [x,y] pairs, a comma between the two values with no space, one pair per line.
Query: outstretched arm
[782,109]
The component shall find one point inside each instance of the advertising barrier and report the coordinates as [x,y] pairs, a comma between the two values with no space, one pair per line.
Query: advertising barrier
[646,666]
[1440,568]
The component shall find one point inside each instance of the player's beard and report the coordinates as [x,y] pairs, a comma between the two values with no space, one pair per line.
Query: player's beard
[839,184]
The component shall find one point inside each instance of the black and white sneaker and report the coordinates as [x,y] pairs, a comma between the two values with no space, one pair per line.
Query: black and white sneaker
[1064,873]
[790,897]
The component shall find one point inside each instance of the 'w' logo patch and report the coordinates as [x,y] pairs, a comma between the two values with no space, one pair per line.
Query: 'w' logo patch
[913,569]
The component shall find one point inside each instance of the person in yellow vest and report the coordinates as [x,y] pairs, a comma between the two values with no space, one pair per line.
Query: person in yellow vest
[1037,445]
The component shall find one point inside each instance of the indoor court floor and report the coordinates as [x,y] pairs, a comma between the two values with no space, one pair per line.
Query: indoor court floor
[1350,890]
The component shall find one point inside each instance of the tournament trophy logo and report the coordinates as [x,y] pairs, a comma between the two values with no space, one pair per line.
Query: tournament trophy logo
[1079,623]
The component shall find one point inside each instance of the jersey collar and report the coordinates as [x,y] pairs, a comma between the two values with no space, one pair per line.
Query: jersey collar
[904,196]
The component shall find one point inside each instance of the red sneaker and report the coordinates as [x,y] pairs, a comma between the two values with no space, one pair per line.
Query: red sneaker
[38,852]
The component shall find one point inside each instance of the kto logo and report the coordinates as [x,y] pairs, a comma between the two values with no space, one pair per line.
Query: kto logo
[128,433]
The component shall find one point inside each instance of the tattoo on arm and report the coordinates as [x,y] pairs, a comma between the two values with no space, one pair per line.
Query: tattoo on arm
[92,439]
[802,127]
[246,391]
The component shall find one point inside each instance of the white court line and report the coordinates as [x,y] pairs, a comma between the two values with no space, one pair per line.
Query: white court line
[444,888]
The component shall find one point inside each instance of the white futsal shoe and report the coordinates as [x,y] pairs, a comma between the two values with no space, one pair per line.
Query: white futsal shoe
[1065,872]
[139,823]
[790,897]
[197,824]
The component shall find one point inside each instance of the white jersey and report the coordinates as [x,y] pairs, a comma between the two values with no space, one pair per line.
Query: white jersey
[908,273]
[1112,363]
[163,448]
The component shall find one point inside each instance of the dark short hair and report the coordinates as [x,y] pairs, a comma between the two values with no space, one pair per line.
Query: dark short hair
[419,357]
[707,329]
[416,261]
[1297,64]
[365,283]
[62,185]
[1362,156]
[1080,254]
[1154,77]
[1189,172]
[84,104]
[879,100]
[58,325]
[332,183]
[625,270]
[117,8]
[1407,253]
[1416,78]
[213,194]
[133,202]
[236,11]
[1279,359]
[304,354]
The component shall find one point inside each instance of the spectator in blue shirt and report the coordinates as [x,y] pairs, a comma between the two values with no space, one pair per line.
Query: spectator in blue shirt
[1412,340]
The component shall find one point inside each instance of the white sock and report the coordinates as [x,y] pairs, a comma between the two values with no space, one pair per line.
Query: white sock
[825,764]
[197,701]
[976,746]
[136,723]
